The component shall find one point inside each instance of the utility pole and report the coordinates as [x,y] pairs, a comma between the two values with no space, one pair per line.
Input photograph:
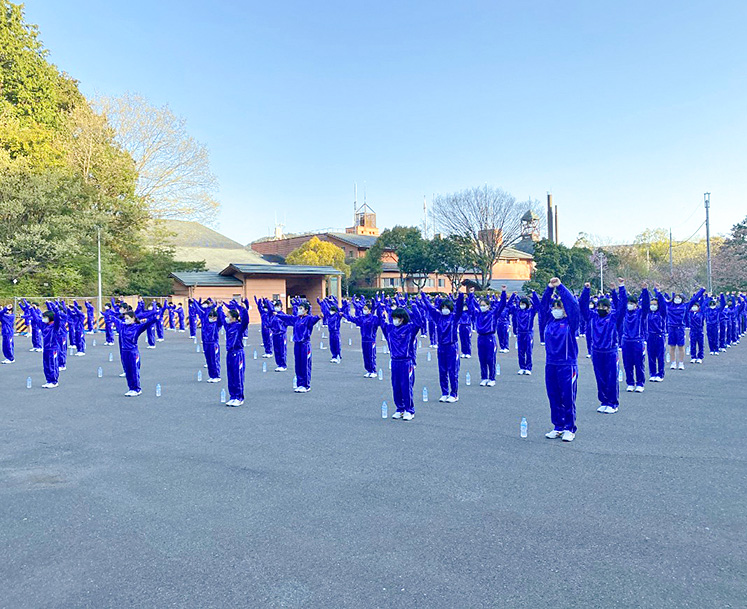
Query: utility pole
[601,272]
[101,302]
[671,266]
[707,199]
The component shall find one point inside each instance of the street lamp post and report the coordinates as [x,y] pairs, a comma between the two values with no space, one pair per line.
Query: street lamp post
[707,200]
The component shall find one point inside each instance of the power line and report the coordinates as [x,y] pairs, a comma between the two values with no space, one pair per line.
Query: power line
[690,237]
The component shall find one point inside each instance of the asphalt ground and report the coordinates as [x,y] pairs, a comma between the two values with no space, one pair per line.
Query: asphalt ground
[314,500]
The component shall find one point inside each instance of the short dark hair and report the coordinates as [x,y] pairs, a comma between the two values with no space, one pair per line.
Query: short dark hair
[448,304]
[402,314]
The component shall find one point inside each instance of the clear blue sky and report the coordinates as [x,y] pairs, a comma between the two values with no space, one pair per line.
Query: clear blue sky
[627,111]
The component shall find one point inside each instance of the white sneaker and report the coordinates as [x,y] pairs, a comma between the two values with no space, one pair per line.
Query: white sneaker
[32,349]
[568,436]
[239,402]
[639,389]
[468,356]
[159,340]
[231,403]
[681,366]
[491,383]
[528,372]
[552,435]
[408,416]
[443,398]
[130,393]
[483,383]
[151,347]
[698,361]
[8,361]
[630,388]
[588,355]
[63,368]
[304,389]
[280,369]
[451,399]
[654,379]
[212,380]
[673,366]
[121,375]
[80,354]
[602,408]
[693,360]
[611,410]
[46,385]
[298,390]
[266,355]
[398,415]
[520,372]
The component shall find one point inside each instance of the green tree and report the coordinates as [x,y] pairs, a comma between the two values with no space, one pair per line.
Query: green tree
[730,261]
[453,255]
[572,265]
[416,260]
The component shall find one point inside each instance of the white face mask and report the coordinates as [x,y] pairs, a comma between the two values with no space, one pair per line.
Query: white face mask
[278,309]
[522,306]
[591,305]
[694,308]
[397,321]
[484,308]
[445,312]
[632,307]
[129,321]
[558,313]
[677,301]
[654,307]
[366,312]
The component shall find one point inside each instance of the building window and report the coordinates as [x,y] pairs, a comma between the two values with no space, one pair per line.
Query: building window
[441,283]
[430,283]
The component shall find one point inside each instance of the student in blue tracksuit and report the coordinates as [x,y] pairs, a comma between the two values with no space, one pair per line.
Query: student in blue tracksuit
[50,343]
[33,318]
[171,316]
[265,312]
[108,314]
[129,331]
[676,309]
[278,334]
[211,324]
[332,319]
[633,335]
[369,326]
[77,319]
[695,320]
[504,322]
[486,315]
[522,316]
[192,317]
[90,323]
[7,323]
[561,359]
[180,316]
[465,333]
[159,324]
[236,321]
[62,335]
[303,324]
[602,335]
[657,333]
[401,334]
[446,315]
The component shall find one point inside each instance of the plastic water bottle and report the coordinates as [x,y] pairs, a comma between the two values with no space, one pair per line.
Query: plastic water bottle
[619,375]
[255,354]
[195,340]
[523,427]
[199,376]
[384,410]
[429,356]
[264,366]
[197,347]
[100,372]
[222,396]
[111,357]
[381,374]
[668,357]
[425,394]
[158,390]
[28,383]
[321,345]
[350,342]
[94,342]
[420,344]
[295,382]
[468,379]
[498,369]
[390,364]
[516,345]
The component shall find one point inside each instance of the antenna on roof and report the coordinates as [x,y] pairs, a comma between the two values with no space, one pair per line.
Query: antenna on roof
[425,217]
[355,200]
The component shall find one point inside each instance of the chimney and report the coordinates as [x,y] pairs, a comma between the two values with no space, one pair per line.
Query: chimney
[557,234]
[550,221]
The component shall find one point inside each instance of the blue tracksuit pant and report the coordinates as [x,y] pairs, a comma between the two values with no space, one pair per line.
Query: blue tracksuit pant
[403,381]
[334,344]
[713,345]
[502,332]
[605,370]
[150,334]
[192,326]
[280,346]
[9,348]
[465,339]
[432,332]
[448,369]
[561,383]
[36,337]
[212,359]
[131,365]
[62,350]
[633,360]
[235,373]
[302,357]
[696,345]
[526,345]
[369,356]
[266,340]
[486,350]
[51,366]
[722,335]
[656,349]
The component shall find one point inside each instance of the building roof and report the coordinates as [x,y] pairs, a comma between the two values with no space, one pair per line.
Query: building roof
[513,252]
[278,269]
[365,241]
[206,279]
[526,246]
[181,233]
[529,216]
